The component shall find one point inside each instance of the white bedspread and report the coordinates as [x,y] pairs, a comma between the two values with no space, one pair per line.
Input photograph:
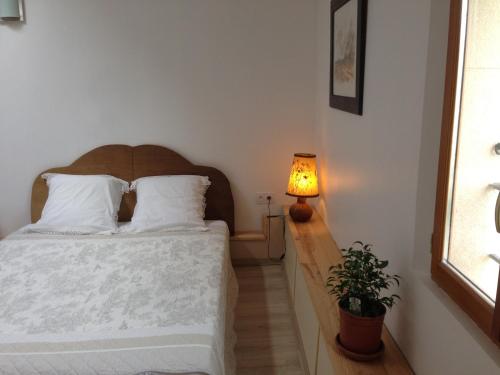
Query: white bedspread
[120,304]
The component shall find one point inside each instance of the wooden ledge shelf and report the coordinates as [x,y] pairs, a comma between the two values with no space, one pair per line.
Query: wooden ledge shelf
[311,251]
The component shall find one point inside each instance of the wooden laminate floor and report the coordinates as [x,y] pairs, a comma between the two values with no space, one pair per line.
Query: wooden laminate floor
[267,341]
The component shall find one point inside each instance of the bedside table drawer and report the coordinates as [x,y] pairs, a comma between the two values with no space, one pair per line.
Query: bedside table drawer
[307,321]
[324,366]
[290,262]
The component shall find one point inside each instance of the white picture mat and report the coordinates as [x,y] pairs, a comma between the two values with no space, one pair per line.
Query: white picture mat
[345,40]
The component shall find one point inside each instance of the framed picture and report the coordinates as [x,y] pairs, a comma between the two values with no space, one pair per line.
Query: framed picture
[347,54]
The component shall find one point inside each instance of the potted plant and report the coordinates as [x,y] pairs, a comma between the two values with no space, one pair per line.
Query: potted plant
[357,285]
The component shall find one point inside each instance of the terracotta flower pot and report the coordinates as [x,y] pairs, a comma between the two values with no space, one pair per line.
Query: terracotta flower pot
[360,334]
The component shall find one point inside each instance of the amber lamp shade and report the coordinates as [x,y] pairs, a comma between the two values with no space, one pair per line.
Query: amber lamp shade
[303,184]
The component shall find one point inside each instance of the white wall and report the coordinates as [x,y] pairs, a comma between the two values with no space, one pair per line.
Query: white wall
[227,83]
[379,173]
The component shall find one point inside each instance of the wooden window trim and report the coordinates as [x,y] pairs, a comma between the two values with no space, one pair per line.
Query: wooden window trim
[483,314]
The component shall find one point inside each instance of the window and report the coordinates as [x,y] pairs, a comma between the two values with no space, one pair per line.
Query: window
[466,242]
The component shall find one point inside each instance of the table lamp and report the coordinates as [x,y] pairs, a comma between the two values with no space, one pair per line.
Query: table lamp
[303,184]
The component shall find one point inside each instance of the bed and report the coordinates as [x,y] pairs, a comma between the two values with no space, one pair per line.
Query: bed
[150,303]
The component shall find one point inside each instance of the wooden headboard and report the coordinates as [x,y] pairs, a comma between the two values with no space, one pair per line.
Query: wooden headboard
[130,163]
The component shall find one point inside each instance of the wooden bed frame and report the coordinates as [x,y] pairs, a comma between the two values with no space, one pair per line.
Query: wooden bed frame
[130,163]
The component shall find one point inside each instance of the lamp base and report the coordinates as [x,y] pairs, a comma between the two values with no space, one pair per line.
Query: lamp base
[300,211]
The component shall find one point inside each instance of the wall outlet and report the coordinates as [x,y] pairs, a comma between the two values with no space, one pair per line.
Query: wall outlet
[261,198]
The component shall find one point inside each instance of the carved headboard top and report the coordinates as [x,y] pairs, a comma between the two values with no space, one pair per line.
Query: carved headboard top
[130,163]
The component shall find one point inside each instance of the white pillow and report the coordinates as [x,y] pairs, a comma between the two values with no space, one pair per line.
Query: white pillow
[81,204]
[169,203]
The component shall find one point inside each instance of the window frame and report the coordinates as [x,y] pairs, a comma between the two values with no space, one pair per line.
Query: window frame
[481,312]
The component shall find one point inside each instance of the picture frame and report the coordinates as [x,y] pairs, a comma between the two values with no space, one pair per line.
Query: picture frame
[347,54]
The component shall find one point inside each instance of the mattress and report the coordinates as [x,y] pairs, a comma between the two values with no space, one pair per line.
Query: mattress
[120,304]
